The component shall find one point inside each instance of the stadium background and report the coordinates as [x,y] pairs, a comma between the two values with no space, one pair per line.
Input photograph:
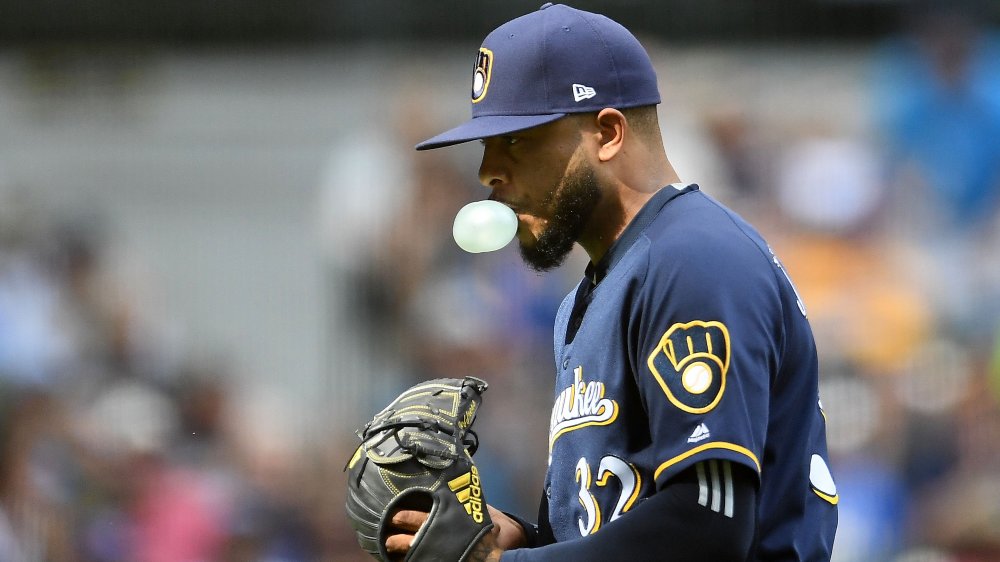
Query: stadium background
[218,254]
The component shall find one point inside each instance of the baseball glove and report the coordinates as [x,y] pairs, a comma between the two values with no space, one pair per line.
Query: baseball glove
[417,454]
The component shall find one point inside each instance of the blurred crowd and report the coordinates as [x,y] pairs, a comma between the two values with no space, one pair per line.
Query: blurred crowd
[114,448]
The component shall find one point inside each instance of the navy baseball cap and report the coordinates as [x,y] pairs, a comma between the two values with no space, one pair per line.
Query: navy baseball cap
[544,65]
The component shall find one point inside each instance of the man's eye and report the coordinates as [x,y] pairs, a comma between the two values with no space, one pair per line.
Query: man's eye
[506,139]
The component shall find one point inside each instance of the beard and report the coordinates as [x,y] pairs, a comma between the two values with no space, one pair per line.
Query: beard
[574,201]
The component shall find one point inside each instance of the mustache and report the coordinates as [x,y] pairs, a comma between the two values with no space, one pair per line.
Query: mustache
[513,206]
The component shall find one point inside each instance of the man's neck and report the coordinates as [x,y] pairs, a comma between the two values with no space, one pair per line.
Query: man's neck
[617,209]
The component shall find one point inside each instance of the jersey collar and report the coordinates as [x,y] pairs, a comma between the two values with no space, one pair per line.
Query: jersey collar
[632,232]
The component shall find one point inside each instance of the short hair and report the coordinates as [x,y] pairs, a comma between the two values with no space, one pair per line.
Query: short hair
[644,121]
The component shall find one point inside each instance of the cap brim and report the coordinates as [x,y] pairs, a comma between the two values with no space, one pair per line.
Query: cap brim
[487,126]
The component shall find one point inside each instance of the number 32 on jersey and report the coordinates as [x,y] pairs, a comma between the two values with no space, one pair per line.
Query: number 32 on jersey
[629,483]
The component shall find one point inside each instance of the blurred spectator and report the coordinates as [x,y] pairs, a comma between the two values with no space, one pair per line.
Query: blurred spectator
[36,519]
[939,105]
[862,306]
[745,157]
[873,510]
[34,344]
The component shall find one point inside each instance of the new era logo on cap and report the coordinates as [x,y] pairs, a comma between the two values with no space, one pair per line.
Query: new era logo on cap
[581,92]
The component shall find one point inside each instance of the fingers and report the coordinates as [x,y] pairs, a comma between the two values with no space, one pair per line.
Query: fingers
[408,520]
[398,544]
[405,525]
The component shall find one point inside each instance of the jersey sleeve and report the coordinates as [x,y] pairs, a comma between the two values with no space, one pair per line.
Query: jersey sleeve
[672,525]
[707,334]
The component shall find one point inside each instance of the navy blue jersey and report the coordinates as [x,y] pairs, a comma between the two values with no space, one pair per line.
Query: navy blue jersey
[691,345]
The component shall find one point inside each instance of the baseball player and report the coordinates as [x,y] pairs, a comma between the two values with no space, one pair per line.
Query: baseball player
[686,423]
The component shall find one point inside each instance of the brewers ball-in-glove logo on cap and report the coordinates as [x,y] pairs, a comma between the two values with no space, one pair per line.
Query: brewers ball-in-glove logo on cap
[547,64]
[690,363]
[481,75]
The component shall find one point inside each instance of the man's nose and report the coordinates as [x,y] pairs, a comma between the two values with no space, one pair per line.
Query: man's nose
[492,171]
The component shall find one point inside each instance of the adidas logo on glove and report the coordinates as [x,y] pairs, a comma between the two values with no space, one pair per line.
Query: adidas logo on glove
[469,493]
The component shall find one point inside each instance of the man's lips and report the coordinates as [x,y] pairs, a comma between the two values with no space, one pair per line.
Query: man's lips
[518,210]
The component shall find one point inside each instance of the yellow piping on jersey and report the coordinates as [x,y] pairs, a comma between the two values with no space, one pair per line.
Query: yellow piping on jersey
[705,447]
[832,499]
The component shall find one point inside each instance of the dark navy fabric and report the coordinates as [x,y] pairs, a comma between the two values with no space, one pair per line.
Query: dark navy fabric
[688,342]
[670,525]
[539,56]
[550,62]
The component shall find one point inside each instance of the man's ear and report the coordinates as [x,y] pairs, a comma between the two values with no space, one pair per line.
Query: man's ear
[612,127]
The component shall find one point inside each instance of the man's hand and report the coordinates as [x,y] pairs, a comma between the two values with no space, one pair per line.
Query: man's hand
[505,535]
[509,533]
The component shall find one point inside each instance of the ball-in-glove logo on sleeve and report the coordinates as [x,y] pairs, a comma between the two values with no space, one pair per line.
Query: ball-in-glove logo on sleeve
[417,454]
[690,364]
